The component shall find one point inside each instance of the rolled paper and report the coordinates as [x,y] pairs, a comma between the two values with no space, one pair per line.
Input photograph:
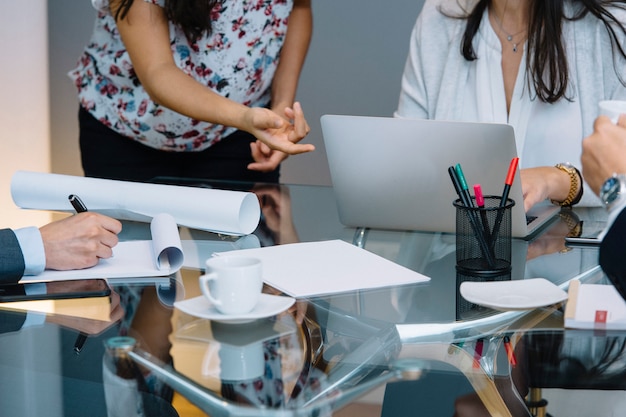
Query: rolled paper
[220,211]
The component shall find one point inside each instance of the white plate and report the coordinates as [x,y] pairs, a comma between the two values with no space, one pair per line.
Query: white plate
[522,294]
[268,305]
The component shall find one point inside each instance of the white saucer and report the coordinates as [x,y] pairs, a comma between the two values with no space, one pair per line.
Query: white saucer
[268,305]
[524,294]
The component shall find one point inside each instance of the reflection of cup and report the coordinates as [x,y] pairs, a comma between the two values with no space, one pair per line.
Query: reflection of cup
[232,284]
[612,109]
[241,363]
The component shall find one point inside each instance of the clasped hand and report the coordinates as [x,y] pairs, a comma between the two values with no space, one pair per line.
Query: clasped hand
[277,136]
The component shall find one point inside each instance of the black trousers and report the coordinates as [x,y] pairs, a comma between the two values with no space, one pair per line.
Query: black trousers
[107,154]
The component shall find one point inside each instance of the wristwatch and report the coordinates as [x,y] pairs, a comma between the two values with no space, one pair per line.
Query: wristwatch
[613,190]
[573,196]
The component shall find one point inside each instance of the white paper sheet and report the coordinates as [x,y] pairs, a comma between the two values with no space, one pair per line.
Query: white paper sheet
[320,268]
[221,211]
[161,256]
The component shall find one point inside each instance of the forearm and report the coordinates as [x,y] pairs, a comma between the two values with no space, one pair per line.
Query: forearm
[171,87]
[293,55]
[145,33]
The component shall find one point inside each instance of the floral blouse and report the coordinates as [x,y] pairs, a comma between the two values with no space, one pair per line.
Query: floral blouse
[237,61]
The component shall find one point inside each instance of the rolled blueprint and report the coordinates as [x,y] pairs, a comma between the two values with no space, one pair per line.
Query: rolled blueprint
[220,211]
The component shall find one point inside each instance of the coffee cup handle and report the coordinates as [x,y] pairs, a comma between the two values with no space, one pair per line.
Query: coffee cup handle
[204,286]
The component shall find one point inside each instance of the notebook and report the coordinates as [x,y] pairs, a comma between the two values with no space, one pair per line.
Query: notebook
[392,173]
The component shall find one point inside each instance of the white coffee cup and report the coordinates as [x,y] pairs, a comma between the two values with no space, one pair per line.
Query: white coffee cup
[612,109]
[232,284]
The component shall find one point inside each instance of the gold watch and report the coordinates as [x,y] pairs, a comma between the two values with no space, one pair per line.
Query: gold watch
[573,196]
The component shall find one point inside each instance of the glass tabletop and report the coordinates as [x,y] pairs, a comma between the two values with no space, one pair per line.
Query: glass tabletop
[433,350]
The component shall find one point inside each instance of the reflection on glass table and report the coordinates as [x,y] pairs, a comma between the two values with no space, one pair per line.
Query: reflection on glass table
[431,348]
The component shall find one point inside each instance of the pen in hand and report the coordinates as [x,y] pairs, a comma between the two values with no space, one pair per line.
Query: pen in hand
[77,203]
[80,207]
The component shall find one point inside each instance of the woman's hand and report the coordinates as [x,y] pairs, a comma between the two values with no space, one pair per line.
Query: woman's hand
[267,159]
[281,134]
[543,183]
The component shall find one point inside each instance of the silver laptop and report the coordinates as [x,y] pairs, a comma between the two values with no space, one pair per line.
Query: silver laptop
[391,173]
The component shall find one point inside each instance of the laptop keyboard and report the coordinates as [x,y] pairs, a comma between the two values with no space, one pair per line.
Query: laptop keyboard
[530,219]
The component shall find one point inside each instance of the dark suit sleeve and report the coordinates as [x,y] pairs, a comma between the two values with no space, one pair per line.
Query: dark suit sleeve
[11,257]
[613,253]
[11,321]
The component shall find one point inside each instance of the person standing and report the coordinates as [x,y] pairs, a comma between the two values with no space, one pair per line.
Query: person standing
[192,88]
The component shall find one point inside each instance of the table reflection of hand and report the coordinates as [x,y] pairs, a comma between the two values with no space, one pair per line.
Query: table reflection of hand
[275,204]
[82,285]
[85,325]
[553,240]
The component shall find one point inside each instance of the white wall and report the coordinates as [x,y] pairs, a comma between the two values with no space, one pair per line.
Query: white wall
[354,67]
[24,110]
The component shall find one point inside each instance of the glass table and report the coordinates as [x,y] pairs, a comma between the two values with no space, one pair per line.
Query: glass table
[423,347]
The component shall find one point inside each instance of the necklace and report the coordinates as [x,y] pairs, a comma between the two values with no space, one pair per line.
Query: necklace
[509,36]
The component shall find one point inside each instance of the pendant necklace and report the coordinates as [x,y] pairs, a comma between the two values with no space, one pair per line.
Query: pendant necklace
[509,36]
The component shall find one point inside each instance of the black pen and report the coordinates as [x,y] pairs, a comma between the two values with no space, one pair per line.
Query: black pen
[80,342]
[473,220]
[80,207]
[77,203]
[457,186]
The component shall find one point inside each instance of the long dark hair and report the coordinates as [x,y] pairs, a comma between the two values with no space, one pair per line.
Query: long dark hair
[192,16]
[546,65]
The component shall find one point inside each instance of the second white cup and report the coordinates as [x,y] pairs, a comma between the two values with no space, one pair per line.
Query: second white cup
[612,109]
[232,284]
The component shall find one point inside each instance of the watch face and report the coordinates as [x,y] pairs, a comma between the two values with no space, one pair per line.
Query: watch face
[610,190]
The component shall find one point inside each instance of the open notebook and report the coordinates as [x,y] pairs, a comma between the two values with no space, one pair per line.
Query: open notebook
[391,173]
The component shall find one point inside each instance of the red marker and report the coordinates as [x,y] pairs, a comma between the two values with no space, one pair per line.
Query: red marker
[509,181]
[480,203]
[505,196]
[509,351]
[478,193]
[478,353]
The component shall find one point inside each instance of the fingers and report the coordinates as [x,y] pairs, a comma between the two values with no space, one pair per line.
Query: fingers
[110,224]
[301,127]
[600,121]
[265,162]
[278,133]
[79,241]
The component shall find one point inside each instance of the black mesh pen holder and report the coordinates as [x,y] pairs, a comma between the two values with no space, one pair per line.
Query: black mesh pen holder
[466,310]
[483,237]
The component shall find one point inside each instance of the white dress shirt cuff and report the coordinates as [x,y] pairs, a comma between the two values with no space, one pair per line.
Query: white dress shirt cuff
[31,244]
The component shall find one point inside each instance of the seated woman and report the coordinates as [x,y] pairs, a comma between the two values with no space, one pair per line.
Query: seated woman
[541,66]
